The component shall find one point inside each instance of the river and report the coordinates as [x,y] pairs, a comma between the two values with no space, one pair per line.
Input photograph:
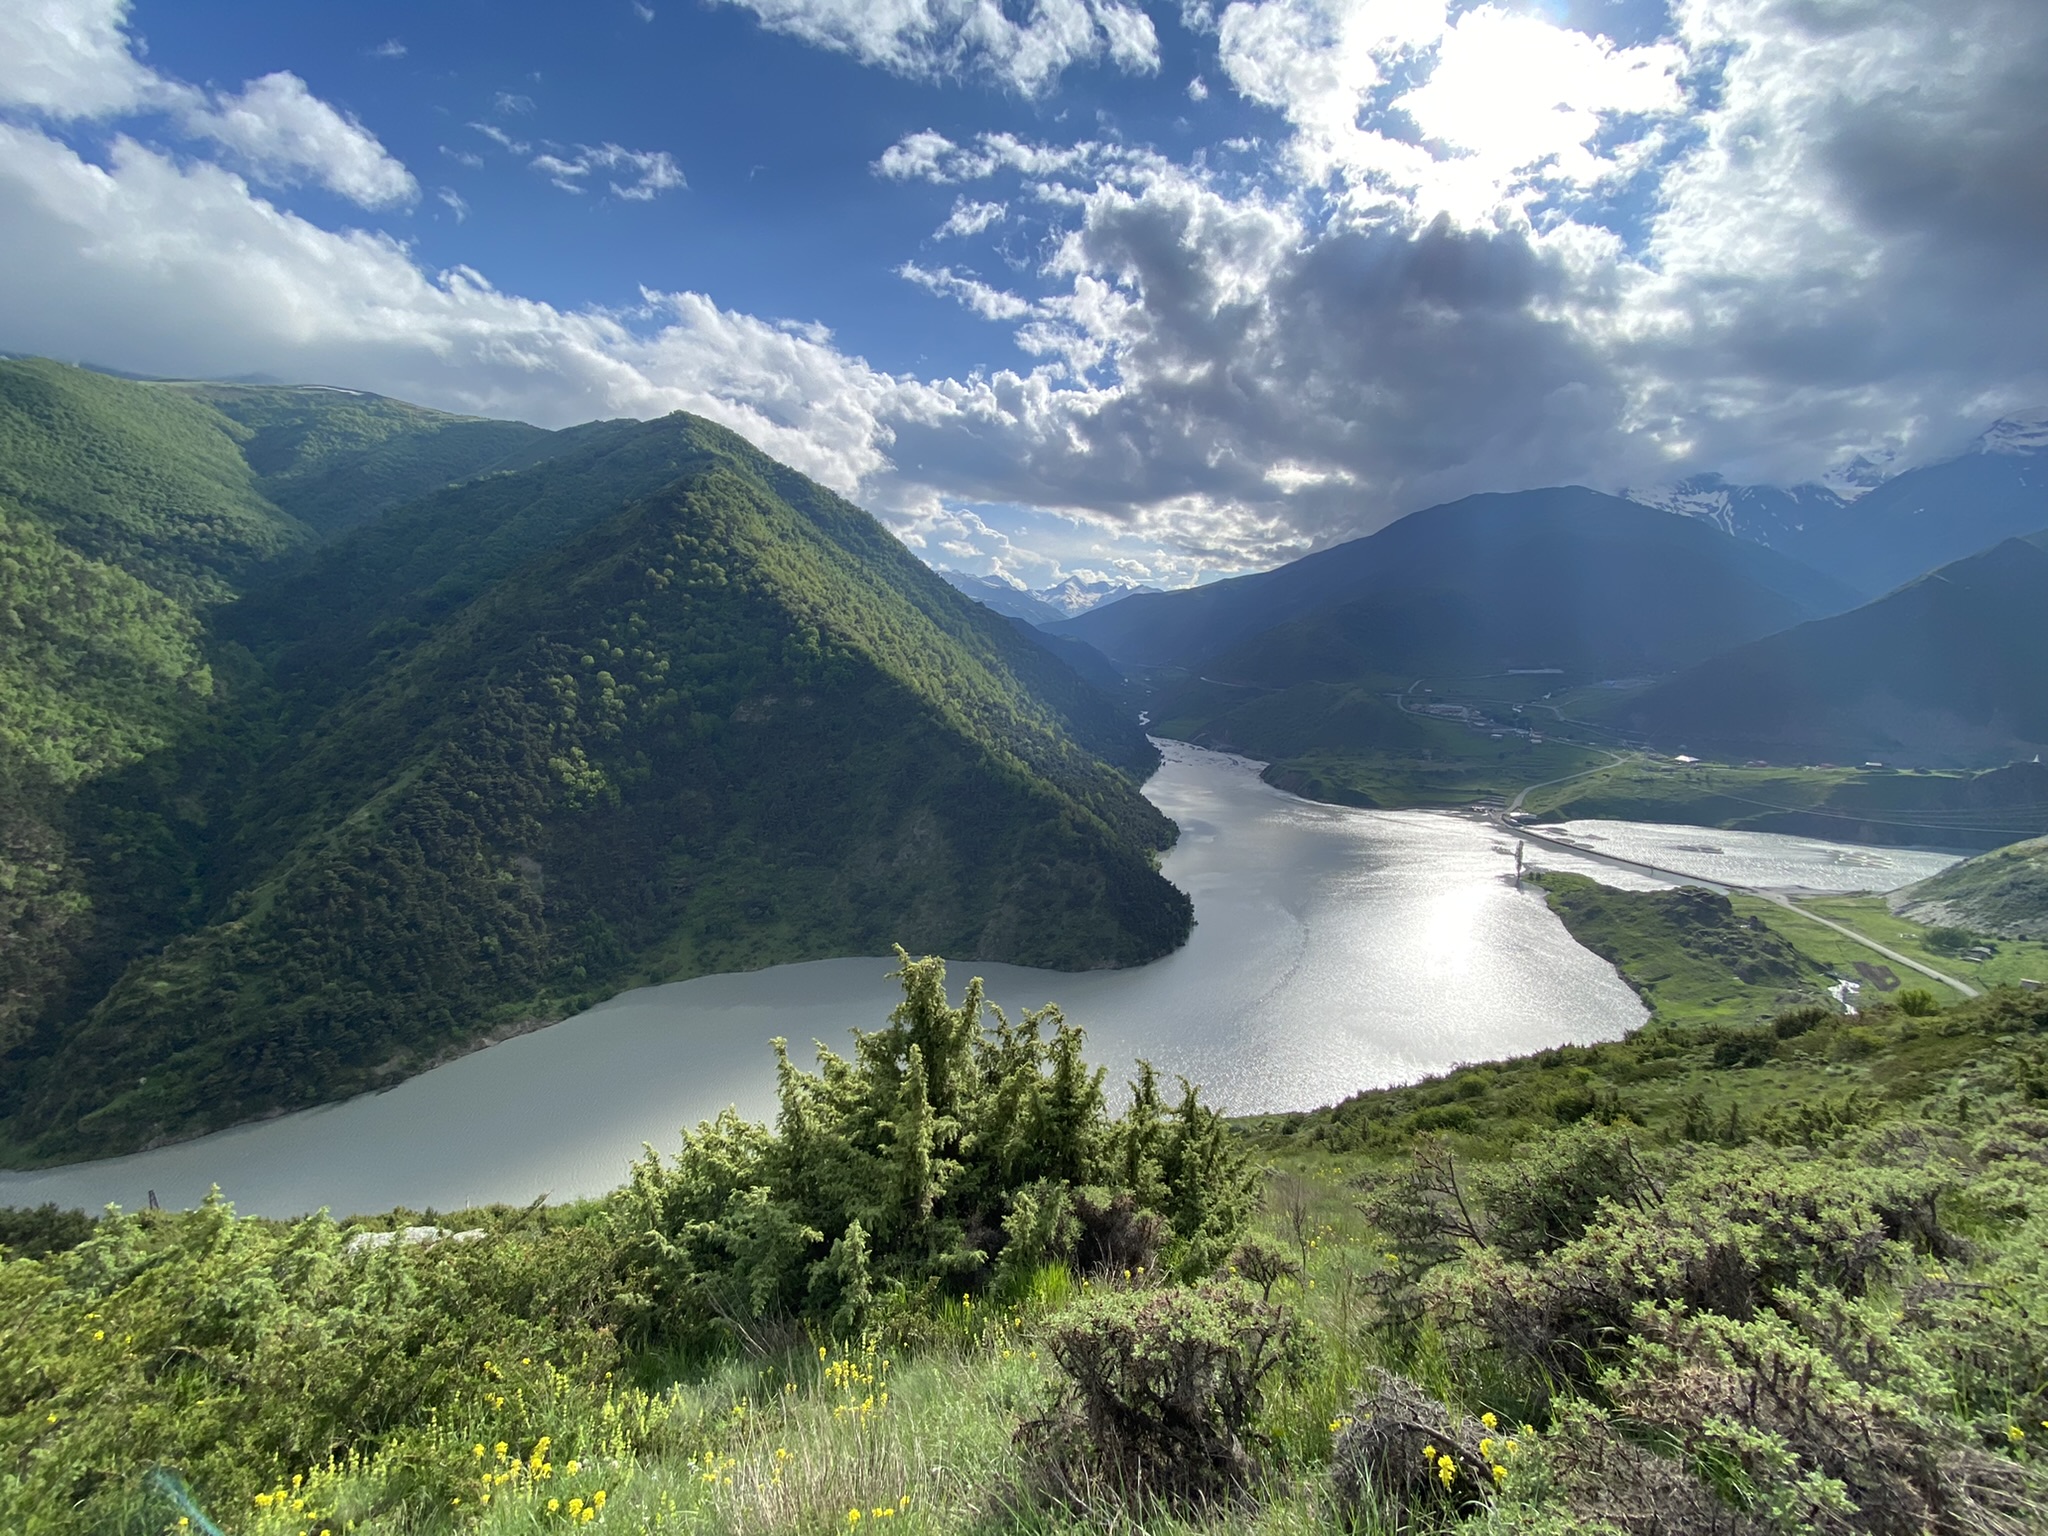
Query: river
[1333,950]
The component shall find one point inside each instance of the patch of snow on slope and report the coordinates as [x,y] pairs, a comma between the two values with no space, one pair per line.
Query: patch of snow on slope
[2025,433]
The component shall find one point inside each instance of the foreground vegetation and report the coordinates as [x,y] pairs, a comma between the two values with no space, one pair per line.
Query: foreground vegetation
[1726,1277]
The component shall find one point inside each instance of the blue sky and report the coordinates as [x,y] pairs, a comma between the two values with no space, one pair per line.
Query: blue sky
[1160,287]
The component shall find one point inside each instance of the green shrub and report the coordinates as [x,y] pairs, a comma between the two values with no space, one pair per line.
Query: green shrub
[1816,1419]
[1744,1048]
[1540,1201]
[35,1232]
[1401,1452]
[917,1163]
[1160,1391]
[1917,1003]
[1794,1022]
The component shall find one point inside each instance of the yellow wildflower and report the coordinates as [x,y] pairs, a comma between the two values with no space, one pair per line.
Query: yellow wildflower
[597,1499]
[1489,1421]
[1446,1470]
[553,1505]
[574,1466]
[2015,1434]
[1500,1473]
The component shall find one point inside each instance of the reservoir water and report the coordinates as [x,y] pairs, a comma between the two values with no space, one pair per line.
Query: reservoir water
[1333,950]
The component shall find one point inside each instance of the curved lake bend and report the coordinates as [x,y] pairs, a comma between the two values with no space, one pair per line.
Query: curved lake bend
[1333,950]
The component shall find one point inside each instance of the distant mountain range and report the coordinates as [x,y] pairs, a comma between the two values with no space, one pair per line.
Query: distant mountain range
[1950,670]
[1747,595]
[1898,528]
[337,735]
[1566,578]
[1047,605]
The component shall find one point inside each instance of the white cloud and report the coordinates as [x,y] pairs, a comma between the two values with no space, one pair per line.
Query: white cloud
[1198,89]
[644,11]
[73,59]
[646,173]
[176,267]
[70,58]
[501,138]
[285,134]
[948,38]
[509,103]
[1510,107]
[930,156]
[454,201]
[969,219]
[390,48]
[916,157]
[989,303]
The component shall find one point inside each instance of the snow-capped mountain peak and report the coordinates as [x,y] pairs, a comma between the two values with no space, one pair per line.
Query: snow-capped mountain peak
[1077,594]
[2024,433]
[1865,472]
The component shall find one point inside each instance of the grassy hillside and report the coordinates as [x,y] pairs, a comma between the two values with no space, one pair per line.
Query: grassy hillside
[1947,672]
[1692,954]
[653,708]
[2003,893]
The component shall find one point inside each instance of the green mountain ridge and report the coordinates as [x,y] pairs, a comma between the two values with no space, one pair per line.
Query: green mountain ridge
[652,706]
[1946,672]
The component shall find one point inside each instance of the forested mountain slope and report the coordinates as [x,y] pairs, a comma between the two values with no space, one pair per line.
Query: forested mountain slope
[334,458]
[1947,672]
[653,706]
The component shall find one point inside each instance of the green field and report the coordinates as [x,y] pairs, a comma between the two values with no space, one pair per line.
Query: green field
[1469,768]
[2013,960]
[1943,810]
[1693,956]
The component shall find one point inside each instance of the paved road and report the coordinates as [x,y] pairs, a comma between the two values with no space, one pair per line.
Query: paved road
[1773,897]
[1515,804]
